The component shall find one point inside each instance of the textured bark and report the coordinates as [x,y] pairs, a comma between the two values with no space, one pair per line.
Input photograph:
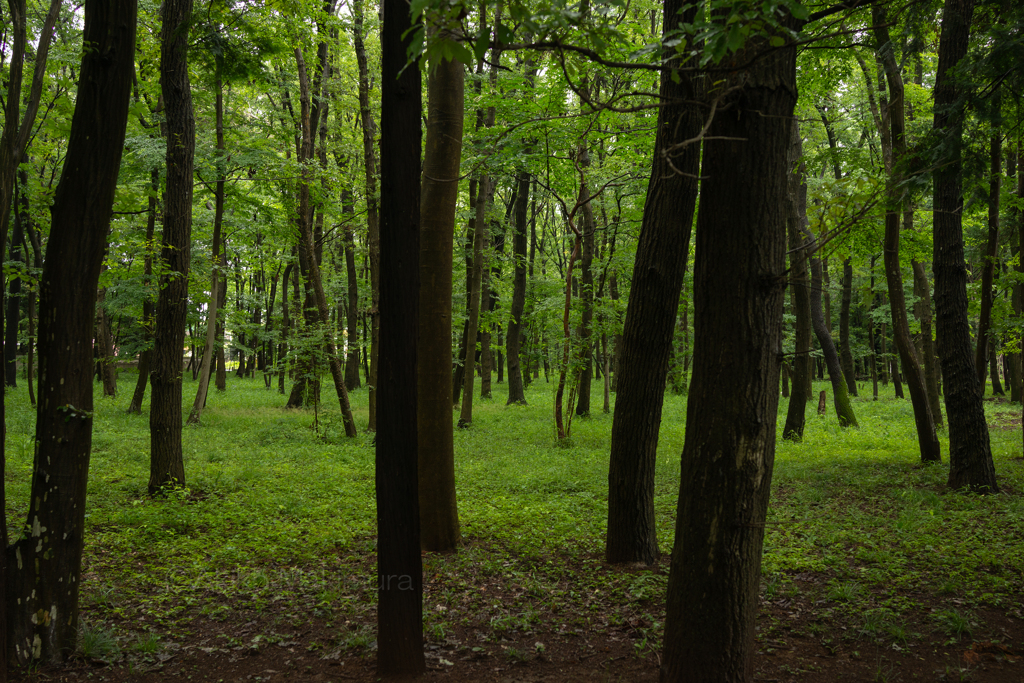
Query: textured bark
[513,336]
[439,516]
[801,297]
[352,380]
[970,454]
[399,566]
[105,344]
[729,450]
[473,322]
[845,352]
[166,464]
[927,440]
[372,207]
[586,370]
[646,345]
[44,566]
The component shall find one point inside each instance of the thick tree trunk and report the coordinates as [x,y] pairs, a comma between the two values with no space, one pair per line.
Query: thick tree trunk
[646,341]
[399,567]
[970,455]
[729,450]
[439,517]
[166,462]
[372,208]
[44,566]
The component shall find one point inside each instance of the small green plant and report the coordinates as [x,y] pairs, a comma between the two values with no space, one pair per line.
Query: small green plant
[846,591]
[97,643]
[147,644]
[955,623]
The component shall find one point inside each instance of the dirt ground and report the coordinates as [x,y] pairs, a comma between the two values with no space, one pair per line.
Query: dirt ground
[799,639]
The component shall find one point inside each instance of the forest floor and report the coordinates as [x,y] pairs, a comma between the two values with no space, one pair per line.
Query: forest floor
[263,568]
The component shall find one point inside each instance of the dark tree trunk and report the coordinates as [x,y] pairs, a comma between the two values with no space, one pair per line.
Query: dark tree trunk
[845,352]
[399,567]
[352,381]
[927,440]
[44,566]
[166,463]
[586,371]
[513,336]
[991,250]
[970,455]
[148,309]
[439,516]
[646,341]
[997,387]
[729,450]
[473,322]
[13,311]
[800,287]
[105,342]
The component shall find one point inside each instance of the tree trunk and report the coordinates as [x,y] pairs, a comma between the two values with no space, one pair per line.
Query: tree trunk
[439,517]
[970,455]
[798,194]
[586,370]
[729,450]
[927,440]
[352,309]
[473,324]
[991,249]
[399,566]
[372,209]
[513,336]
[13,311]
[148,309]
[798,282]
[646,342]
[105,342]
[166,463]
[44,567]
[845,352]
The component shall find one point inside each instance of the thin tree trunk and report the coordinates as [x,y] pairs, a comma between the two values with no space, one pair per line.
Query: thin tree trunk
[927,440]
[845,352]
[513,336]
[801,297]
[991,249]
[352,381]
[148,309]
[372,207]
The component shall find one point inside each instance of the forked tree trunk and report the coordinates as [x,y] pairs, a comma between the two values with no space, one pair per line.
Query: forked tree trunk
[970,453]
[646,343]
[729,450]
[439,516]
[44,567]
[166,464]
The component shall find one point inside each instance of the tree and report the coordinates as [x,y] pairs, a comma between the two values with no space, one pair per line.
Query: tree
[729,449]
[658,272]
[970,455]
[399,567]
[514,332]
[800,295]
[439,516]
[166,464]
[44,565]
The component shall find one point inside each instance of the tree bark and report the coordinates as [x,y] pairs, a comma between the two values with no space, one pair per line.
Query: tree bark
[513,336]
[166,462]
[927,440]
[372,206]
[352,381]
[729,450]
[399,567]
[970,454]
[439,516]
[44,566]
[646,343]
[148,309]
[991,250]
[798,281]
[845,352]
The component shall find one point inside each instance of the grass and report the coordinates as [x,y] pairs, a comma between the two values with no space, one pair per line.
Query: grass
[273,511]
